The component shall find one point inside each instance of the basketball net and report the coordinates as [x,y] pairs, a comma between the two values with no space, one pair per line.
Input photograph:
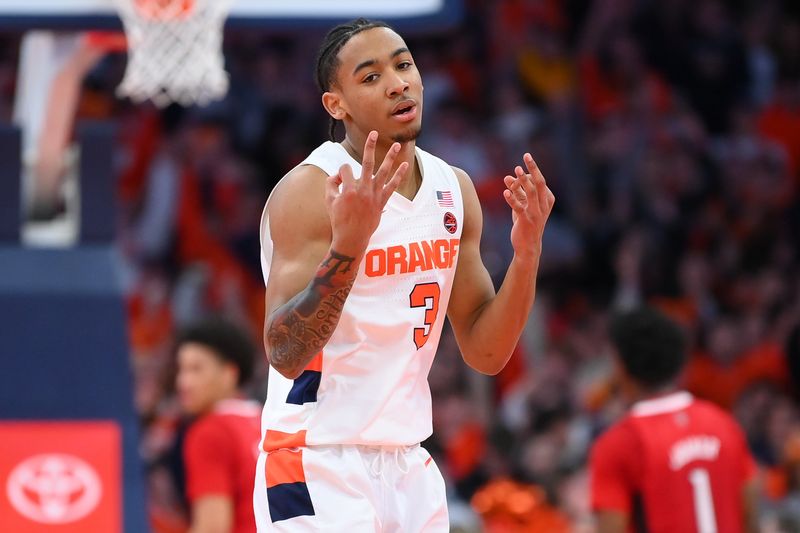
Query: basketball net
[174,50]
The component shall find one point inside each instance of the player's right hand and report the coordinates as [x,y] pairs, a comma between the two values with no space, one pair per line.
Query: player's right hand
[355,207]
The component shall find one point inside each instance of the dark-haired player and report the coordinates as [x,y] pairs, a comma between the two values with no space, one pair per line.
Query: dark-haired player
[214,359]
[365,246]
[673,463]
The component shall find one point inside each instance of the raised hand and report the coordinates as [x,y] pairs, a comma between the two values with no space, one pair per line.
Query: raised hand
[531,202]
[355,207]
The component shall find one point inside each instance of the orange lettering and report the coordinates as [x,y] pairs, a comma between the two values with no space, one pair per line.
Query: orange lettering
[453,251]
[376,263]
[396,257]
[441,258]
[417,259]
[427,249]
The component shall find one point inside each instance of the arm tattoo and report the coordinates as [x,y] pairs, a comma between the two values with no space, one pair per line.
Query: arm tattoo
[301,327]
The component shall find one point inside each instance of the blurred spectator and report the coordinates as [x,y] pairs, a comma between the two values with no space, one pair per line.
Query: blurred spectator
[793,358]
[215,360]
[729,366]
[643,466]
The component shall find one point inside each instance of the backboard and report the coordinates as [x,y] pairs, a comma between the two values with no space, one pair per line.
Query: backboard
[98,14]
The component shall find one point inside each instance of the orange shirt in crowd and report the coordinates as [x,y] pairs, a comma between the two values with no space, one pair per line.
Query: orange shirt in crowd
[782,125]
[707,378]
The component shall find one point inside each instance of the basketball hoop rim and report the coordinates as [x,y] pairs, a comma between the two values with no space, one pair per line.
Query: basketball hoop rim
[107,40]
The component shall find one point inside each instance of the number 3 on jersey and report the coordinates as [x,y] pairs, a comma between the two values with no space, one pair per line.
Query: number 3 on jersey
[425,295]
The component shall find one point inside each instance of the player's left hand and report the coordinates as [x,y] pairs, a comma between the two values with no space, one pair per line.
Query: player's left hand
[531,202]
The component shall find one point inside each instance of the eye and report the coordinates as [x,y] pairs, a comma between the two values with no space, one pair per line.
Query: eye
[370,78]
[404,65]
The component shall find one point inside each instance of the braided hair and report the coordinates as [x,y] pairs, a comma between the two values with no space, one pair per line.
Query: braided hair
[328,55]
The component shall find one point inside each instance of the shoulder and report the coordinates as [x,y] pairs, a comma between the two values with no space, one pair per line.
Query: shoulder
[709,410]
[721,423]
[205,428]
[618,440]
[467,188]
[308,177]
[298,185]
[713,414]
[472,206]
[215,438]
[298,202]
[211,431]
[463,178]
[614,467]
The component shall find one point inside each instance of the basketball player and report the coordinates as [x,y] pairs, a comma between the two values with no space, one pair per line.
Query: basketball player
[673,463]
[214,360]
[366,245]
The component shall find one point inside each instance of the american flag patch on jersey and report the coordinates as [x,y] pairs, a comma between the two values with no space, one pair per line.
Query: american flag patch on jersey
[444,198]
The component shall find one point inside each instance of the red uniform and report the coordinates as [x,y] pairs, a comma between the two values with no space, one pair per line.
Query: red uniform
[673,464]
[220,455]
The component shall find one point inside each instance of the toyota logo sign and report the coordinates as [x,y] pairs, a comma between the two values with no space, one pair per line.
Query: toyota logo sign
[54,488]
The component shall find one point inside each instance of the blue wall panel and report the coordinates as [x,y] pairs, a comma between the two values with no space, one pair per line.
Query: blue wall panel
[64,350]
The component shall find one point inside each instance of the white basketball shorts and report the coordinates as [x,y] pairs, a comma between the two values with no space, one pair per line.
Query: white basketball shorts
[350,489]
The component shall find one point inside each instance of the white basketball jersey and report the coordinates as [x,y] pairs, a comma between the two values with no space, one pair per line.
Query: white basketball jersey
[369,385]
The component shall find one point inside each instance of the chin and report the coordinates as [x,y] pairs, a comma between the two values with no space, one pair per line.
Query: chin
[408,135]
[190,407]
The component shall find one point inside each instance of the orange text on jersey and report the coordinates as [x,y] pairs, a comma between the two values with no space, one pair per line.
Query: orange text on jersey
[413,257]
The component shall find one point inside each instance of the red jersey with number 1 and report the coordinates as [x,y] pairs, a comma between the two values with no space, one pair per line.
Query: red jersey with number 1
[673,464]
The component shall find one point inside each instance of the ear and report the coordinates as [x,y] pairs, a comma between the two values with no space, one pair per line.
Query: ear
[334,105]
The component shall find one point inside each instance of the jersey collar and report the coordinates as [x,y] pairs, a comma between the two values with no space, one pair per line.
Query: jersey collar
[663,404]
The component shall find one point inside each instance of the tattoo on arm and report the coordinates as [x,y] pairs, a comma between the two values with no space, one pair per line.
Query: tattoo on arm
[301,327]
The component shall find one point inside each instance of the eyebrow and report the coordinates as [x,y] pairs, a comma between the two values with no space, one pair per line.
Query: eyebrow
[370,62]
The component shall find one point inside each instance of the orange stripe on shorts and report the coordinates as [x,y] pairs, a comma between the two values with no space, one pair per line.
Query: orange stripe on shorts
[284,466]
[275,440]
[315,364]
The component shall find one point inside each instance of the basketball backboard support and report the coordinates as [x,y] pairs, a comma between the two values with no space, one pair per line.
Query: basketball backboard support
[101,14]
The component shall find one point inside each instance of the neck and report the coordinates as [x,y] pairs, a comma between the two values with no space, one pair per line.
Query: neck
[641,394]
[354,144]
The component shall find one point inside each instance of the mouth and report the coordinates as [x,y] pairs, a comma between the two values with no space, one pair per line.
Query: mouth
[405,111]
[403,108]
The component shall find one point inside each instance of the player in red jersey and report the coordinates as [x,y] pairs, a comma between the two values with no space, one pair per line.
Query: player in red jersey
[673,464]
[221,447]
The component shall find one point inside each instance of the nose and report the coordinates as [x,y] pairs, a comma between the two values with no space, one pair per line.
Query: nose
[397,85]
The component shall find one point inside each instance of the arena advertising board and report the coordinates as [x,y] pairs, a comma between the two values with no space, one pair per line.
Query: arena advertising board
[60,477]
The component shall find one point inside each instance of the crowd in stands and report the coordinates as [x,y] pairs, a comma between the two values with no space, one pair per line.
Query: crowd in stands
[669,132]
